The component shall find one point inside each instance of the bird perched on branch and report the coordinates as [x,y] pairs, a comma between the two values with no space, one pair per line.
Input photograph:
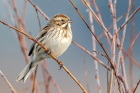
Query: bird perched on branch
[56,36]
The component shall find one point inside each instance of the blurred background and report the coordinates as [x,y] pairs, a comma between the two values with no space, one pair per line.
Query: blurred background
[12,60]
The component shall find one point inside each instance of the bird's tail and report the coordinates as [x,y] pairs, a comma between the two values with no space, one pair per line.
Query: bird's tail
[24,75]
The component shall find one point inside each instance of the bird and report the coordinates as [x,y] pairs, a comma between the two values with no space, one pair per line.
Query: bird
[56,36]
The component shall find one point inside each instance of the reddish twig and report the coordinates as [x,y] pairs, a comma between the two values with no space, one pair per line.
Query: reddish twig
[111,26]
[46,77]
[128,19]
[11,87]
[131,45]
[34,79]
[38,19]
[131,50]
[91,55]
[134,61]
[100,53]
[100,18]
[24,11]
[94,16]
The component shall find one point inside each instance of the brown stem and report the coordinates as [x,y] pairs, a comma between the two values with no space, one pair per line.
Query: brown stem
[136,85]
[131,50]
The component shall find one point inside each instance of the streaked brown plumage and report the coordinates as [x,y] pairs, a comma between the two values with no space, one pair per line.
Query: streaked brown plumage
[56,36]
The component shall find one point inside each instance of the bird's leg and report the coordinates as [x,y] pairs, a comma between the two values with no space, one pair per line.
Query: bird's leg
[48,52]
[61,65]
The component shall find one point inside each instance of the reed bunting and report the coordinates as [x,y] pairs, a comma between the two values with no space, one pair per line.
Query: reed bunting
[56,36]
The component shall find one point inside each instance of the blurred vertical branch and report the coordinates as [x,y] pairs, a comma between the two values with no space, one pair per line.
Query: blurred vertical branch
[131,50]
[94,49]
[122,59]
[86,74]
[113,46]
[24,11]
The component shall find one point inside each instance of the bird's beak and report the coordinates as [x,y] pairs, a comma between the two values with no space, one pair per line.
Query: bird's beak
[70,21]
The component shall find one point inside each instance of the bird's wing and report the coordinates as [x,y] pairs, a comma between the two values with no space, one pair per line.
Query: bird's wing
[40,35]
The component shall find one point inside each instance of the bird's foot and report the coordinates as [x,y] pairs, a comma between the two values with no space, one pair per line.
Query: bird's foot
[48,52]
[61,65]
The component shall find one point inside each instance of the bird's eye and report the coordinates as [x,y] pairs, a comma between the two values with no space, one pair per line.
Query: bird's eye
[62,20]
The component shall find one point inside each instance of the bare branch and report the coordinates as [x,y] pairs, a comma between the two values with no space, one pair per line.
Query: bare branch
[12,89]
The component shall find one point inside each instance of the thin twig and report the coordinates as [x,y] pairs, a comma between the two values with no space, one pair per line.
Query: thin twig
[131,45]
[6,80]
[113,13]
[94,49]
[113,47]
[111,26]
[100,53]
[100,18]
[38,19]
[39,10]
[34,79]
[136,85]
[91,55]
[24,10]
[134,61]
[128,19]
[29,87]
[46,77]
[86,74]
[59,62]
[94,15]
